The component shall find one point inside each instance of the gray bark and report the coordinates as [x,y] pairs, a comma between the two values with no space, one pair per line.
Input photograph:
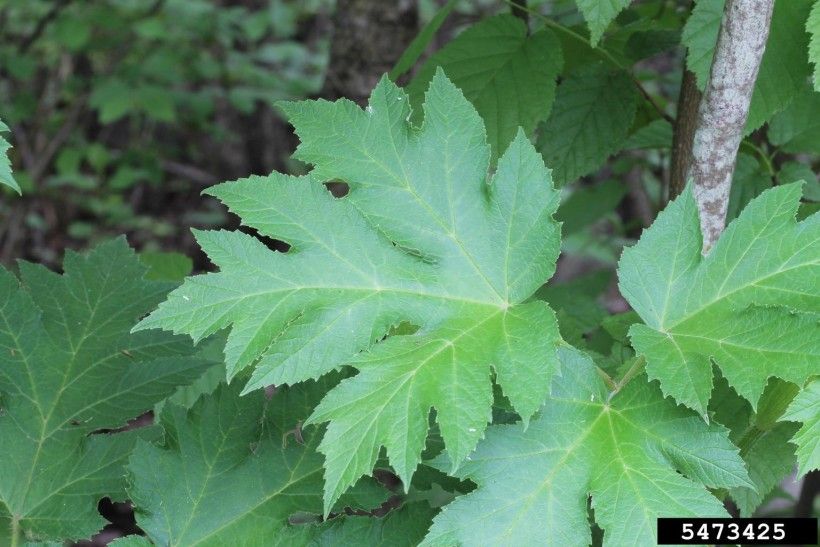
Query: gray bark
[725,107]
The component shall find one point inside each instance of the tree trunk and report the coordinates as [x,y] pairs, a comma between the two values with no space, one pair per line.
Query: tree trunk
[683,137]
[725,107]
[369,37]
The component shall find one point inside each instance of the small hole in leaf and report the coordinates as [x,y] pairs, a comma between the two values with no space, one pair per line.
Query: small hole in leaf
[121,517]
[338,188]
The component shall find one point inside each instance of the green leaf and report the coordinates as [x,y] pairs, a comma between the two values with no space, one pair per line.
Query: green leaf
[231,469]
[166,266]
[637,454]
[131,541]
[424,238]
[576,303]
[813,28]
[749,306]
[794,171]
[68,369]
[783,69]
[748,181]
[655,134]
[401,527]
[6,177]
[797,129]
[770,459]
[508,75]
[806,408]
[599,14]
[763,443]
[590,121]
[700,36]
[421,41]
[112,98]
[589,204]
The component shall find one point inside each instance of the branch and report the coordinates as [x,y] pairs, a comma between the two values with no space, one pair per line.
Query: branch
[725,107]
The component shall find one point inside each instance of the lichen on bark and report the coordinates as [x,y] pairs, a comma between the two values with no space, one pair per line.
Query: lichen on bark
[723,111]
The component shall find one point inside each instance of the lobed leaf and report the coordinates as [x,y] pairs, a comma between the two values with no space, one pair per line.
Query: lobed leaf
[228,470]
[424,238]
[638,455]
[806,408]
[750,306]
[70,371]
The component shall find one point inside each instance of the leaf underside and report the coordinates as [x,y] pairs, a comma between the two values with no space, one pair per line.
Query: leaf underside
[750,306]
[424,238]
[639,456]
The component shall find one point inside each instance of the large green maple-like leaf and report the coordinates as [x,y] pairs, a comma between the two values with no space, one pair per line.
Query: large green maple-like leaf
[806,408]
[6,177]
[783,69]
[68,368]
[508,75]
[424,237]
[750,305]
[636,453]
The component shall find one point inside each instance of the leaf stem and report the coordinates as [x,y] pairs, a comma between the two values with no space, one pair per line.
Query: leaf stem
[610,383]
[15,531]
[633,371]
[601,52]
[758,151]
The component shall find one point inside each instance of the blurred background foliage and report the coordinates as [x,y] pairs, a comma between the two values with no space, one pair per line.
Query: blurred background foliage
[121,111]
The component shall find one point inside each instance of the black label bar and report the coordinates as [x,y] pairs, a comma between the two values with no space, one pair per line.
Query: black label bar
[747,531]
